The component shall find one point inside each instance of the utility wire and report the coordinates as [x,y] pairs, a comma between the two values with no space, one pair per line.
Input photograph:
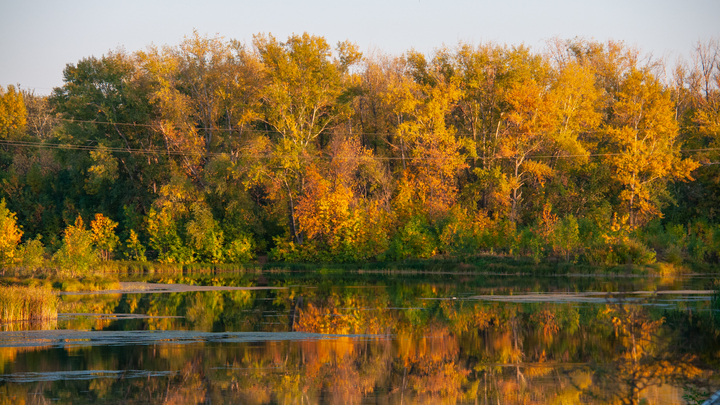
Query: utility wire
[220,129]
[156,151]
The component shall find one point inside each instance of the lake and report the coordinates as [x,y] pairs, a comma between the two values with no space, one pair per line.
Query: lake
[372,337]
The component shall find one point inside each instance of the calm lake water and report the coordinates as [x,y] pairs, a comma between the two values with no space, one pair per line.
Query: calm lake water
[372,338]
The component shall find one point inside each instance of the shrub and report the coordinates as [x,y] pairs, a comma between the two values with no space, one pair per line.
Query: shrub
[164,238]
[461,233]
[32,255]
[704,242]
[240,250]
[618,245]
[134,250]
[76,255]
[566,237]
[205,235]
[415,239]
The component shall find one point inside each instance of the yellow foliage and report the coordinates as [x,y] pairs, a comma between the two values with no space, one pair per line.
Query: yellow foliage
[13,115]
[103,235]
[10,235]
[644,133]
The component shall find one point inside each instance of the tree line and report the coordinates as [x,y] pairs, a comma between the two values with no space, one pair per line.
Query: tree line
[219,151]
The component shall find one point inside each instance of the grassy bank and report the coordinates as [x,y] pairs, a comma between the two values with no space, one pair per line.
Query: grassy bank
[89,283]
[18,303]
[496,264]
[482,263]
[106,275]
[121,267]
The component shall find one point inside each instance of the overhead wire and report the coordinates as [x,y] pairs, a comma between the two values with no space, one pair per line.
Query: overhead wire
[167,151]
[221,129]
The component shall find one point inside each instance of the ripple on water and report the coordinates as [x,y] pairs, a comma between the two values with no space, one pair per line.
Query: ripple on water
[81,375]
[75,338]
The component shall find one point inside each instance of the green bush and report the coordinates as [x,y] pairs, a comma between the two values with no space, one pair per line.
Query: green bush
[32,256]
[165,240]
[416,239]
[76,255]
[566,237]
[204,235]
[134,249]
[240,250]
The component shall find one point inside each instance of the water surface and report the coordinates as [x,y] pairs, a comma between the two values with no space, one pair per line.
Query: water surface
[367,338]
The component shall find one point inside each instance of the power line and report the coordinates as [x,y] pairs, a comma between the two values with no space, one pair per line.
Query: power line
[156,151]
[219,129]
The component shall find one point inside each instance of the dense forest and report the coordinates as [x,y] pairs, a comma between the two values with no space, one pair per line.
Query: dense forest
[216,151]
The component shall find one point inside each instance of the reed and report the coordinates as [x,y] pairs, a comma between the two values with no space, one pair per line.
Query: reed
[19,303]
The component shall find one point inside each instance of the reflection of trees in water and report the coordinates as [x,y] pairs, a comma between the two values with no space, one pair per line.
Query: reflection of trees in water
[643,356]
[447,352]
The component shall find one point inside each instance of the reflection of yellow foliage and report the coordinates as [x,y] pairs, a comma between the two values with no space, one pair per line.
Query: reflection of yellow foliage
[546,319]
[335,316]
[8,354]
[193,388]
[506,348]
[445,380]
[13,394]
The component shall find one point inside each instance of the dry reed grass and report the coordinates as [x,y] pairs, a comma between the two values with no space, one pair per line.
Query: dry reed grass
[19,303]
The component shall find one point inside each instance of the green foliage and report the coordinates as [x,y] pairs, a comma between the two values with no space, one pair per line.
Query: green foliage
[103,171]
[285,250]
[204,235]
[459,236]
[628,251]
[240,250]
[415,239]
[76,256]
[704,242]
[566,237]
[134,249]
[165,240]
[32,255]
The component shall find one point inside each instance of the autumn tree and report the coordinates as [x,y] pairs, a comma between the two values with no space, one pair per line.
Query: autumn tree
[301,101]
[134,249]
[76,254]
[13,114]
[642,135]
[203,92]
[526,131]
[103,235]
[10,235]
[427,146]
[41,119]
[697,96]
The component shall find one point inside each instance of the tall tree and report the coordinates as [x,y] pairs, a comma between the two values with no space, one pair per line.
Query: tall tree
[642,134]
[301,101]
[104,106]
[13,115]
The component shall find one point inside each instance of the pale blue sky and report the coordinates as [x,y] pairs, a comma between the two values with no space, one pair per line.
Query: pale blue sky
[39,37]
